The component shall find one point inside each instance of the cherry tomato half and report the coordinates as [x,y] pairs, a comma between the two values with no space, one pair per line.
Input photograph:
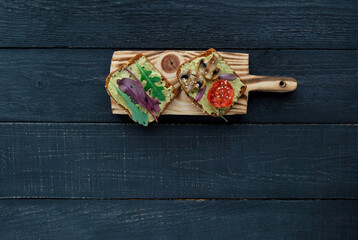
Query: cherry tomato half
[221,94]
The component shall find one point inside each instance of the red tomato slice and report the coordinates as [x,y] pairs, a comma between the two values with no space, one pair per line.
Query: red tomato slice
[221,94]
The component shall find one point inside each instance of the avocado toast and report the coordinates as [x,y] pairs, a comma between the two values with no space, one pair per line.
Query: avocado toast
[140,89]
[210,83]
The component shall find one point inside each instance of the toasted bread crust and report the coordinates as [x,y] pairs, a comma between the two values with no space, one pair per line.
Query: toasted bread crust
[131,61]
[205,54]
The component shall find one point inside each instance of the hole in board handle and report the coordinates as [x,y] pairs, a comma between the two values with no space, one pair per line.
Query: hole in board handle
[282,84]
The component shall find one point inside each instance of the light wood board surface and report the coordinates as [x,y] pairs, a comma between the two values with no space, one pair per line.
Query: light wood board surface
[167,63]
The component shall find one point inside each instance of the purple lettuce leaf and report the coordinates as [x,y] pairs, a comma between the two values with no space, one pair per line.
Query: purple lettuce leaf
[135,91]
[155,102]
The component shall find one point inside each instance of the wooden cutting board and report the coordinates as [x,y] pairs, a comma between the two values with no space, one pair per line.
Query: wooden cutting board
[167,62]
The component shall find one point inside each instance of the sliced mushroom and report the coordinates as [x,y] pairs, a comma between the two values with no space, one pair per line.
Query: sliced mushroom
[190,84]
[201,80]
[185,75]
[202,67]
[216,74]
[200,74]
[189,79]
[210,67]
[192,79]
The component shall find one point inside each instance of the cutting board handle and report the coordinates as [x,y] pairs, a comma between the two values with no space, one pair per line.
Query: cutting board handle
[272,84]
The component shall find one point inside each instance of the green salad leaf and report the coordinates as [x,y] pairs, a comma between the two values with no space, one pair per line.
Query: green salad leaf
[137,114]
[157,91]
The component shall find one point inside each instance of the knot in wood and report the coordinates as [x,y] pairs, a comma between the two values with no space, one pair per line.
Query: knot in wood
[170,63]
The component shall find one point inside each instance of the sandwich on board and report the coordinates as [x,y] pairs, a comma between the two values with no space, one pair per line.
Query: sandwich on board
[210,83]
[140,89]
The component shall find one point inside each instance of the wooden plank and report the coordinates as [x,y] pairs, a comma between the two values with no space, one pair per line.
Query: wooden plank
[178,161]
[169,24]
[86,219]
[181,105]
[68,86]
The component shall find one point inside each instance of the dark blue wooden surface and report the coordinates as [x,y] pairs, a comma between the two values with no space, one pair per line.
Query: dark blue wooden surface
[69,169]
[185,24]
[173,219]
[164,161]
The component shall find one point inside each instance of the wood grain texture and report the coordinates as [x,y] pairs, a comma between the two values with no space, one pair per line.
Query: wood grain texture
[68,86]
[169,24]
[178,161]
[271,220]
[181,105]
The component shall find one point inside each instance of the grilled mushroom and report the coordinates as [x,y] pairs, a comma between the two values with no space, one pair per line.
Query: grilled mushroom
[185,75]
[202,67]
[210,67]
[189,80]
[216,74]
[200,80]
[191,84]
[192,79]
[200,74]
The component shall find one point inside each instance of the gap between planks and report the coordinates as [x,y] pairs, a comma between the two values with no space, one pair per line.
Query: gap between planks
[178,199]
[172,124]
[179,48]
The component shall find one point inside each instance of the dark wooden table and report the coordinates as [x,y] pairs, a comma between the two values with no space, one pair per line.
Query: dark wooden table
[69,169]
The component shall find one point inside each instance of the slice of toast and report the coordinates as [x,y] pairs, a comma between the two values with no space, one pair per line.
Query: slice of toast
[204,104]
[167,87]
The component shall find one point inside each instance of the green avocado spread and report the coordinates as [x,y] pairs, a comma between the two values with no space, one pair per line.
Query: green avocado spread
[225,68]
[168,91]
